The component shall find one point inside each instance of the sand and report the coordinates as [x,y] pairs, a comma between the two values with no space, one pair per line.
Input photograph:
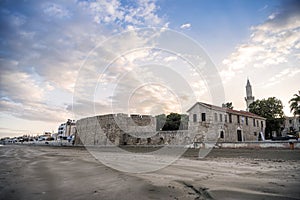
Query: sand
[41,172]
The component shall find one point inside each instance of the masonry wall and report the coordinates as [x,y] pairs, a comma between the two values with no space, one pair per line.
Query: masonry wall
[134,130]
[113,129]
[249,132]
[291,124]
[122,129]
[217,123]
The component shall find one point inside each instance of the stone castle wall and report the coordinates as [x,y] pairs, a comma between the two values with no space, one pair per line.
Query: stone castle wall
[133,130]
[121,129]
[113,129]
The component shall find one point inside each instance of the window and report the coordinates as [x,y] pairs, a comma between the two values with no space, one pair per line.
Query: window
[255,134]
[247,121]
[262,124]
[257,123]
[194,117]
[254,122]
[216,117]
[238,119]
[230,118]
[203,117]
[290,121]
[222,134]
[221,117]
[226,118]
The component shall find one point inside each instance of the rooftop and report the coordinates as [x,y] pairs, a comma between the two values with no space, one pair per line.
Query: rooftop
[227,110]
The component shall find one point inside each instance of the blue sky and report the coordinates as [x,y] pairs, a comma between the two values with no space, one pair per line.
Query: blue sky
[48,69]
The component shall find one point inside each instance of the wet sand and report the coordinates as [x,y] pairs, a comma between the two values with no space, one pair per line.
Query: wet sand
[41,172]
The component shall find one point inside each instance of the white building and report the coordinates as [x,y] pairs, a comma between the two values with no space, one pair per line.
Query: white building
[67,129]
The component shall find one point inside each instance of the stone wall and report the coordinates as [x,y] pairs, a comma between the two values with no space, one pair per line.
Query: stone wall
[217,123]
[133,130]
[114,129]
[180,137]
[121,129]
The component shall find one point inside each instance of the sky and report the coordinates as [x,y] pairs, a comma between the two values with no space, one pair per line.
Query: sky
[70,59]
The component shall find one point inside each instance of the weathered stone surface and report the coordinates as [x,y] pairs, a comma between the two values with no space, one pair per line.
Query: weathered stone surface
[133,130]
[217,121]
[207,124]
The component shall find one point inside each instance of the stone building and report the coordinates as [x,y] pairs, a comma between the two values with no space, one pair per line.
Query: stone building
[225,125]
[207,123]
[291,125]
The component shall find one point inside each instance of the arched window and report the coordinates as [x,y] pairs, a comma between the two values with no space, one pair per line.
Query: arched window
[222,134]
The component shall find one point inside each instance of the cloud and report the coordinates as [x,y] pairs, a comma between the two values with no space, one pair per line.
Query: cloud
[20,86]
[43,46]
[186,26]
[34,111]
[272,43]
[170,58]
[55,10]
[281,76]
[140,13]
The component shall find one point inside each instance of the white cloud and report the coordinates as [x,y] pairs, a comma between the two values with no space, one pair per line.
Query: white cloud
[170,58]
[45,50]
[271,44]
[281,76]
[20,86]
[23,96]
[55,10]
[139,13]
[186,26]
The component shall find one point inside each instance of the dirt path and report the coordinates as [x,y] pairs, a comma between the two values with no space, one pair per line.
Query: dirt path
[32,172]
[35,172]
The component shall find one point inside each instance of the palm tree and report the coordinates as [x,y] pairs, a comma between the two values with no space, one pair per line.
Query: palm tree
[295,104]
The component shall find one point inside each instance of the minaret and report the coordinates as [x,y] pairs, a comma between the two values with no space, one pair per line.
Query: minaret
[249,98]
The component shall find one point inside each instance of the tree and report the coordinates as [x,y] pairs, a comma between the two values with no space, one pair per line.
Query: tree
[173,121]
[295,104]
[184,123]
[160,121]
[227,105]
[272,110]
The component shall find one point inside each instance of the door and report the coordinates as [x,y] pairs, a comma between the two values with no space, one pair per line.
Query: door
[239,135]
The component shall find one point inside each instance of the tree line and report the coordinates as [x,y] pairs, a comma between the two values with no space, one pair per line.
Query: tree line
[172,122]
[272,110]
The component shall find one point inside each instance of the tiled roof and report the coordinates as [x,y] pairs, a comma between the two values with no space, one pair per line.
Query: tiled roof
[227,110]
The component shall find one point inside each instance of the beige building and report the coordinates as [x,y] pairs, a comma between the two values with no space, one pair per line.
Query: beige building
[291,125]
[227,125]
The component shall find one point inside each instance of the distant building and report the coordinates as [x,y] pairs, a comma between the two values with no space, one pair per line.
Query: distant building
[291,125]
[230,125]
[249,98]
[67,129]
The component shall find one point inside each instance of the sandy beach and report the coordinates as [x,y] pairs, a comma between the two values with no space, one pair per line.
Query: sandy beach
[41,172]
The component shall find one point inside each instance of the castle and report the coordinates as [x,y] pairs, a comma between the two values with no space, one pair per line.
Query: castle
[207,123]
